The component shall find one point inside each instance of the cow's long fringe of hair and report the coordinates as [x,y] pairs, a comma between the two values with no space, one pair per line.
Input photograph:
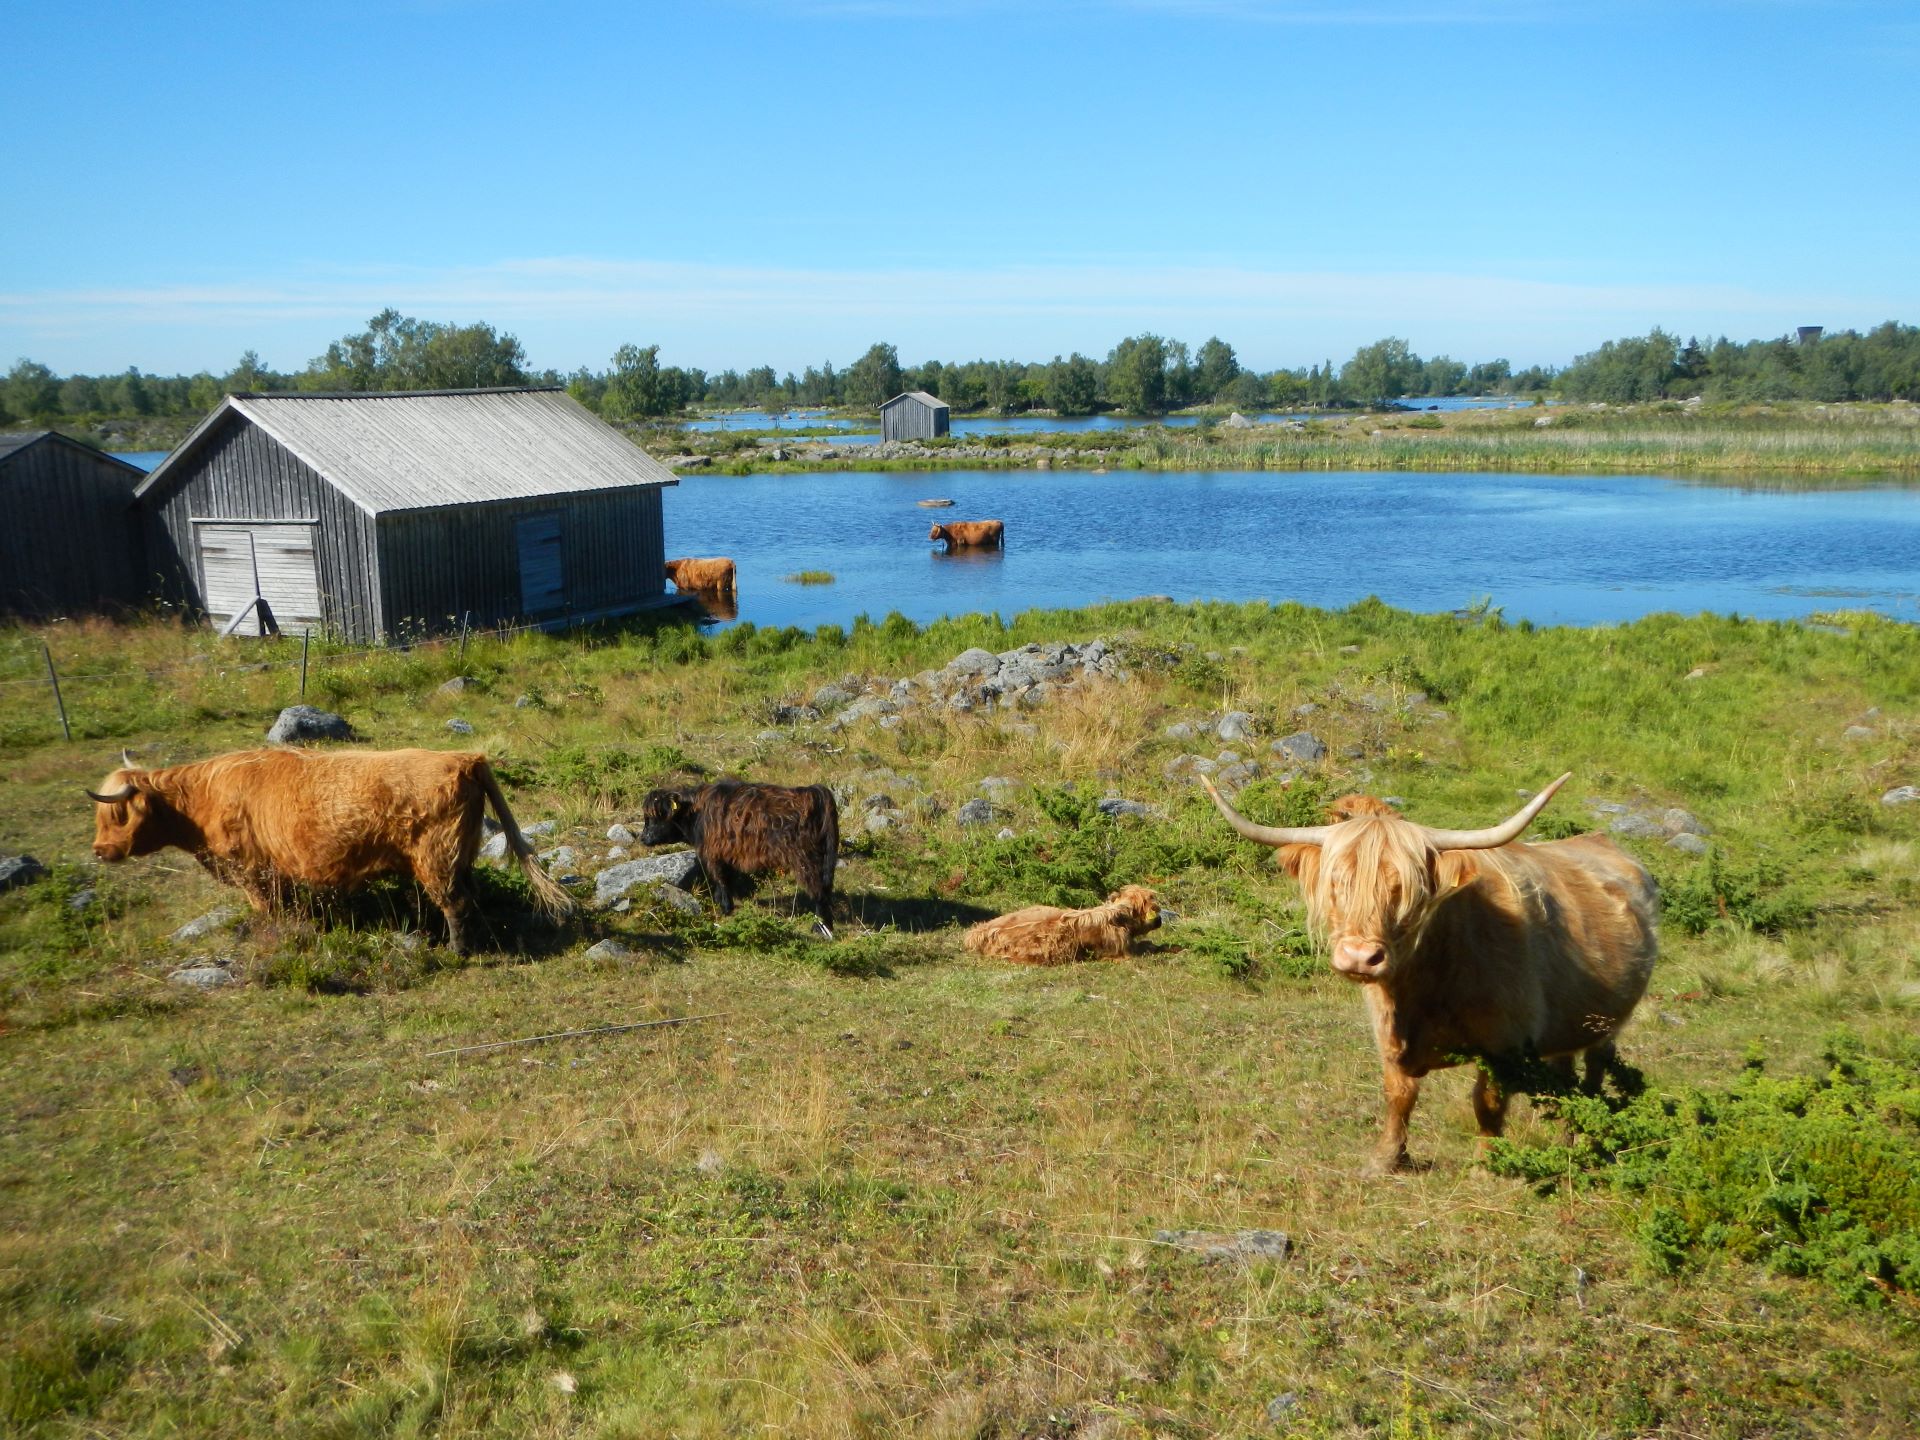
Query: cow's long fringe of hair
[1378,854]
[552,901]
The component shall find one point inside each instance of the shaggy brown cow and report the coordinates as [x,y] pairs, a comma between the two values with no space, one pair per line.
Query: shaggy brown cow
[971,534]
[1469,944]
[740,829]
[1047,935]
[703,577]
[267,819]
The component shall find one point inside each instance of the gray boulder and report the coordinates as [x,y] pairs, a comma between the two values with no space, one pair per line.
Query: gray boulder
[684,901]
[998,787]
[1301,747]
[1236,421]
[1235,725]
[1235,1245]
[1857,732]
[611,950]
[974,662]
[494,847]
[1901,795]
[305,722]
[974,812]
[202,977]
[1676,821]
[459,726]
[1687,843]
[830,697]
[558,857]
[206,924]
[1113,805]
[457,684]
[615,881]
[619,834]
[1182,731]
[795,714]
[1637,827]
[18,870]
[1232,777]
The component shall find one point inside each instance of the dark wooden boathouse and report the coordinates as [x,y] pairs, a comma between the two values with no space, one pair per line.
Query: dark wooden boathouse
[69,541]
[386,515]
[915,415]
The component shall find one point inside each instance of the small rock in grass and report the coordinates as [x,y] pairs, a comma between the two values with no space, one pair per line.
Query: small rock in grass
[1636,827]
[459,726]
[538,827]
[1005,833]
[20,870]
[206,924]
[829,697]
[1280,1407]
[1224,1245]
[710,1163]
[620,834]
[1234,726]
[974,662]
[1901,795]
[81,900]
[494,847]
[1857,732]
[611,950]
[1676,821]
[457,684]
[974,812]
[1115,806]
[1687,843]
[676,868]
[1301,747]
[685,901]
[202,977]
[1181,730]
[558,857]
[307,722]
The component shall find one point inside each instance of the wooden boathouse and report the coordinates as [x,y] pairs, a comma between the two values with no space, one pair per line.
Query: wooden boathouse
[385,515]
[70,542]
[915,415]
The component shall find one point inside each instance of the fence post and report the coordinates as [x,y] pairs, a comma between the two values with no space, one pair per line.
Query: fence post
[54,680]
[461,663]
[306,638]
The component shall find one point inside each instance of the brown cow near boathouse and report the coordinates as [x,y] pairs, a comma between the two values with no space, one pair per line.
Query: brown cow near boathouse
[971,534]
[715,576]
[1469,944]
[264,820]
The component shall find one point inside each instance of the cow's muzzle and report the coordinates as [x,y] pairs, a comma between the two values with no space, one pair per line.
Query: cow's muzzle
[110,854]
[1359,958]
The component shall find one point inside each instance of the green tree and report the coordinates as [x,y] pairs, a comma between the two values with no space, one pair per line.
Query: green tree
[1073,385]
[1217,366]
[1380,372]
[874,378]
[32,390]
[633,385]
[1137,375]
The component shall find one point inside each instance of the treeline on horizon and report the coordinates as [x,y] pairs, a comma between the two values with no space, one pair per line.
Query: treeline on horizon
[1143,375]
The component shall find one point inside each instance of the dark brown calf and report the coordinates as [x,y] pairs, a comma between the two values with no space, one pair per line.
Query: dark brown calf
[740,829]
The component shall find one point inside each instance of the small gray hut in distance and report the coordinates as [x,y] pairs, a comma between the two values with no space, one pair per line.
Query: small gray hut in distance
[374,516]
[915,415]
[69,541]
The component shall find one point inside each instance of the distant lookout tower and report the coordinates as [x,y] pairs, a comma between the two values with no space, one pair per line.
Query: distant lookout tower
[1810,334]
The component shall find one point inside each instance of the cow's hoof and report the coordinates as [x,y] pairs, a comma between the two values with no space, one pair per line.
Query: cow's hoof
[1379,1166]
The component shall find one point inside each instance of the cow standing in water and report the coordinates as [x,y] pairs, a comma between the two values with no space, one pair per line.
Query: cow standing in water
[740,829]
[267,819]
[716,576]
[1468,944]
[971,534]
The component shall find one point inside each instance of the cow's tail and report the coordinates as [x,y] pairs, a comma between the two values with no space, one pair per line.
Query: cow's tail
[553,902]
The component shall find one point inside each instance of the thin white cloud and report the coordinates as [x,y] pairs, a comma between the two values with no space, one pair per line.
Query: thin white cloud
[574,310]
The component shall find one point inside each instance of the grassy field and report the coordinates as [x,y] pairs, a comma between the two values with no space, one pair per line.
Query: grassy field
[1803,441]
[888,1188]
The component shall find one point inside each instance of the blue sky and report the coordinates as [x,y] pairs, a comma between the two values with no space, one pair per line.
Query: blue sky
[786,181]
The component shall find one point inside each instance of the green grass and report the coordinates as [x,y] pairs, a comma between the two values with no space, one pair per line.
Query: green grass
[893,1189]
[1765,444]
[809,577]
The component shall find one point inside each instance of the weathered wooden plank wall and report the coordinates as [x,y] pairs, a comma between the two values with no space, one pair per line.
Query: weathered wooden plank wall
[242,473]
[69,542]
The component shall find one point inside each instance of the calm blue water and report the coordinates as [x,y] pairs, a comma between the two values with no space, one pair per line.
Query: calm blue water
[1554,549]
[1037,424]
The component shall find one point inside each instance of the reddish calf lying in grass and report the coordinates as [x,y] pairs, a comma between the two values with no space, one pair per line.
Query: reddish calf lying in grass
[1048,935]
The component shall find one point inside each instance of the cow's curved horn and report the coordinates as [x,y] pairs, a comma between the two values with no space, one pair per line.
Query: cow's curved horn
[124,793]
[127,762]
[1500,834]
[1275,835]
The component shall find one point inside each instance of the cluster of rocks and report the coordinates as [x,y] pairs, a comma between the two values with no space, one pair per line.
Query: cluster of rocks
[1679,829]
[975,680]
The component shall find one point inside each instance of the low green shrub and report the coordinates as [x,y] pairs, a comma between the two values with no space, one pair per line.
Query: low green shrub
[1815,1175]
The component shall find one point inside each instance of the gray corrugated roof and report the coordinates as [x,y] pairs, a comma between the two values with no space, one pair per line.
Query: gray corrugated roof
[920,395]
[424,450]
